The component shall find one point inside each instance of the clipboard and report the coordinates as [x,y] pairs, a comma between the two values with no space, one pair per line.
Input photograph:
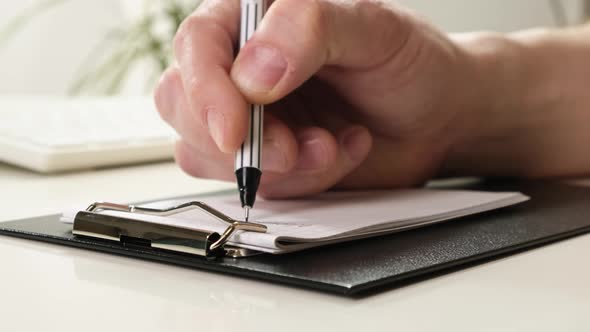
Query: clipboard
[555,212]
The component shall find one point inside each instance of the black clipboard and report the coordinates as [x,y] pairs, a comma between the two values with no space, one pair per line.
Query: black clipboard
[555,212]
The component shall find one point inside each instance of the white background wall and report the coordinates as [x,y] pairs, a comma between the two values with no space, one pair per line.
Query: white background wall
[497,15]
[44,57]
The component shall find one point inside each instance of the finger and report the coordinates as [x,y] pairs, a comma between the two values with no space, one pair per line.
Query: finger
[217,167]
[173,107]
[324,161]
[204,50]
[298,37]
[279,146]
[199,165]
[395,165]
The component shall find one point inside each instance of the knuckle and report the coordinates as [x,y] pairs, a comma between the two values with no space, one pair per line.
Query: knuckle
[313,9]
[200,165]
[316,19]
[185,32]
[166,113]
[198,29]
[394,28]
[195,85]
[195,89]
[184,160]
[165,110]
[307,16]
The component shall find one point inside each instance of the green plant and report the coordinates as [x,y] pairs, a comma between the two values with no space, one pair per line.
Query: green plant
[147,39]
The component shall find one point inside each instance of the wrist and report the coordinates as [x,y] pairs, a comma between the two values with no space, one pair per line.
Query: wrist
[506,88]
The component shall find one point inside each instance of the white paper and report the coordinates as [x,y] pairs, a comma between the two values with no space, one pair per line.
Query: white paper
[334,216]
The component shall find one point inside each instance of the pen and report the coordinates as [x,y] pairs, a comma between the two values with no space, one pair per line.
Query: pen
[248,166]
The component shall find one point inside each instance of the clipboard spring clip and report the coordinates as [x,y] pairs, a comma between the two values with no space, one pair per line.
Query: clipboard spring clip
[133,232]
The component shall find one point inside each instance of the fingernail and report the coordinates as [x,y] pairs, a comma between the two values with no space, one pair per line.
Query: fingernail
[260,69]
[353,143]
[312,154]
[216,123]
[273,158]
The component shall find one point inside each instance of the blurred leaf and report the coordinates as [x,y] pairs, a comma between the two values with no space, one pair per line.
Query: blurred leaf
[137,44]
[108,65]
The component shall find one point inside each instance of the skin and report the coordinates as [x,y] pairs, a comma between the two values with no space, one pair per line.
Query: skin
[366,95]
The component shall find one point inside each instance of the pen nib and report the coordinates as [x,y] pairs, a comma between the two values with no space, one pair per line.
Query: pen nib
[246,213]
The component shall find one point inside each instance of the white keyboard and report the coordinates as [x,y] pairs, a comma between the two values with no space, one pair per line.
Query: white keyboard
[53,135]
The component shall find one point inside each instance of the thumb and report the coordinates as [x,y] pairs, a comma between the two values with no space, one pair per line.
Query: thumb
[298,37]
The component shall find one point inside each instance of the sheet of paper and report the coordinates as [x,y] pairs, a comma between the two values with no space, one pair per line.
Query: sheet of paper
[297,224]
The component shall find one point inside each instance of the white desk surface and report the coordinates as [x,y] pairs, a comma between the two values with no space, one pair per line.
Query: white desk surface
[46,287]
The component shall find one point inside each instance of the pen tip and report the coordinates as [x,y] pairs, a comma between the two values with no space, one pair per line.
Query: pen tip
[246,213]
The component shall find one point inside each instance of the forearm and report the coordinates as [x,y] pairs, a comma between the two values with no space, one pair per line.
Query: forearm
[531,106]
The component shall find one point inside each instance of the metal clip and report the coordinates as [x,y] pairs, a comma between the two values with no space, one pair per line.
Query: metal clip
[131,231]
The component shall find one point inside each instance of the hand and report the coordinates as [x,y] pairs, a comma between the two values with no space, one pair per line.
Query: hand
[361,94]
